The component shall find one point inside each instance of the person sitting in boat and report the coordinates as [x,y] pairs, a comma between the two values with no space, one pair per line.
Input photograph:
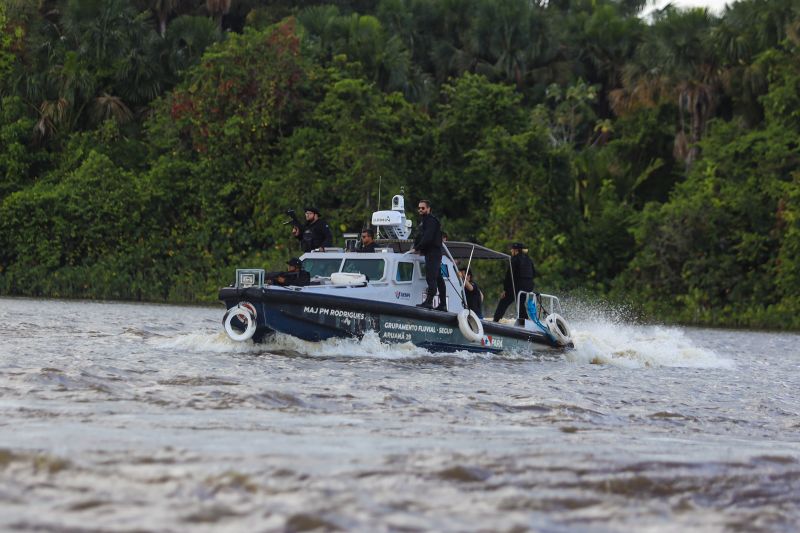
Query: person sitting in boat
[520,278]
[472,292]
[315,234]
[367,244]
[429,244]
[295,275]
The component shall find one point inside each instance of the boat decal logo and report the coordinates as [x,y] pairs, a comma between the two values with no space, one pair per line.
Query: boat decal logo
[402,295]
[487,340]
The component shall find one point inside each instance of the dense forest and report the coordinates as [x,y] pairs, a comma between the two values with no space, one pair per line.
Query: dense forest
[150,147]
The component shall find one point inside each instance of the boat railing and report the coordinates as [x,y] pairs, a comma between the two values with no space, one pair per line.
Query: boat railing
[522,299]
[546,304]
[550,304]
[249,277]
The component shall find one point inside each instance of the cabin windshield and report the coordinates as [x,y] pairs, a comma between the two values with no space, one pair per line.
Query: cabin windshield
[372,268]
[317,266]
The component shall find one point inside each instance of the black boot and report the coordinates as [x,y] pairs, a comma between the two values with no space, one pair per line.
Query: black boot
[427,304]
[442,306]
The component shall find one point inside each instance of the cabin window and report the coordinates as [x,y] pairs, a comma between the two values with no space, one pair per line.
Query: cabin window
[445,273]
[372,268]
[317,266]
[405,271]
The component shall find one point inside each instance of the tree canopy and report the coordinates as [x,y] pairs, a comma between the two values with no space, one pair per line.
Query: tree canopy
[149,147]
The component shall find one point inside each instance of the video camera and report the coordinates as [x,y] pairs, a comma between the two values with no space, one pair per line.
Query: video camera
[293,219]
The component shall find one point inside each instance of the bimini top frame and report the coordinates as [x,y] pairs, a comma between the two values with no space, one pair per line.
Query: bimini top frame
[465,250]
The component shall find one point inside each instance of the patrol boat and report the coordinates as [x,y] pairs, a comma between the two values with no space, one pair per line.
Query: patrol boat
[353,293]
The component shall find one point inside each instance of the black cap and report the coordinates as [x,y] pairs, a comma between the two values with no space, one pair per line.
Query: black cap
[295,262]
[517,246]
[312,209]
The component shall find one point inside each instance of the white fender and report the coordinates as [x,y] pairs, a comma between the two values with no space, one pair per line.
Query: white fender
[559,328]
[245,315]
[470,325]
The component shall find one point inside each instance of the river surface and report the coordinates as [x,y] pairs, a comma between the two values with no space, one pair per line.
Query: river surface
[126,417]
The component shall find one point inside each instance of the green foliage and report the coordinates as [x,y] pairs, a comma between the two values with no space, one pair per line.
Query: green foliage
[240,99]
[711,250]
[56,237]
[472,112]
[6,39]
[18,160]
[355,137]
[147,148]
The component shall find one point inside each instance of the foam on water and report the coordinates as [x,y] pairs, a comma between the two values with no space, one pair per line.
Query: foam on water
[369,346]
[602,335]
[605,335]
[204,342]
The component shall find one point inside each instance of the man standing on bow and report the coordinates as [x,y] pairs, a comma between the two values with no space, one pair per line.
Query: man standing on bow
[429,244]
[518,278]
[315,234]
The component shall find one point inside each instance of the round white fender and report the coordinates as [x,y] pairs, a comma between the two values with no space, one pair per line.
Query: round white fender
[244,315]
[470,325]
[559,328]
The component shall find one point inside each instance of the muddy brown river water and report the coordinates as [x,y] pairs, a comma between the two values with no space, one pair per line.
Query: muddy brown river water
[125,417]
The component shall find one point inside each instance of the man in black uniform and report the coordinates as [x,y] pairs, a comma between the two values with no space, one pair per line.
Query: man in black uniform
[316,234]
[472,292]
[429,244]
[518,278]
[367,245]
[295,275]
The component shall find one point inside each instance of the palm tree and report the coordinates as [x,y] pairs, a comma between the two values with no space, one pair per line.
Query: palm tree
[217,9]
[600,41]
[749,29]
[186,39]
[502,29]
[384,58]
[106,107]
[320,24]
[163,9]
[675,63]
[96,60]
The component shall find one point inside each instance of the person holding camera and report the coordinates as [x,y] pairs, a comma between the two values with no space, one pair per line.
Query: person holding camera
[315,234]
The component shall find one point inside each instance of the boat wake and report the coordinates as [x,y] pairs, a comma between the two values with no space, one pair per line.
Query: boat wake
[599,339]
[215,342]
[640,346]
[369,346]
